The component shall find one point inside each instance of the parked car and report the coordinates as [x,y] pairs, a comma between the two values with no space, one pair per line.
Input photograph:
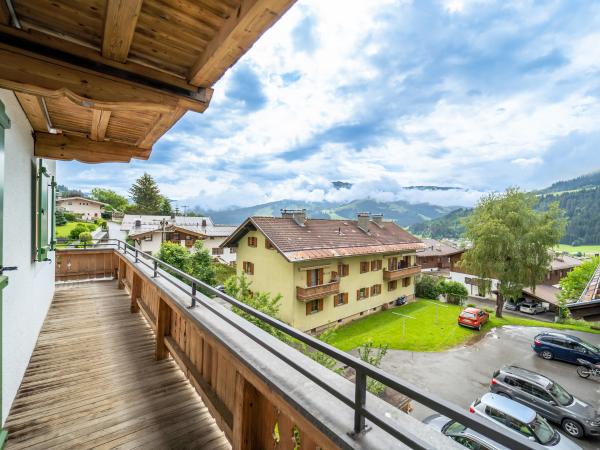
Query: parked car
[464,436]
[566,347]
[576,417]
[518,419]
[513,306]
[473,318]
[531,308]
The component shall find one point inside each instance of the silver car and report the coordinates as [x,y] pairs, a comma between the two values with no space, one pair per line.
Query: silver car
[531,308]
[519,419]
[576,417]
[464,436]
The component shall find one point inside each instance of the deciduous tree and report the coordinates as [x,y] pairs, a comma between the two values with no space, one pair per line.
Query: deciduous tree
[109,196]
[512,241]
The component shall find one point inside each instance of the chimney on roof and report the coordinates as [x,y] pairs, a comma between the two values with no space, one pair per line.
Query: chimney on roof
[377,219]
[138,223]
[299,215]
[172,216]
[363,221]
[204,223]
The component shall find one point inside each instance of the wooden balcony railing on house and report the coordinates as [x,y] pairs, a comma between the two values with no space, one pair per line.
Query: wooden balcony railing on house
[307,294]
[262,392]
[391,275]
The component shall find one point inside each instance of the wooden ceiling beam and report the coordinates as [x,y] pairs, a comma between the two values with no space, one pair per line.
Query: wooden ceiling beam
[100,121]
[68,148]
[119,27]
[39,75]
[32,105]
[4,13]
[63,51]
[236,36]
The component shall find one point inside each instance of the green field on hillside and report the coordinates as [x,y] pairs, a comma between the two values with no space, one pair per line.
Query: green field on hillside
[586,249]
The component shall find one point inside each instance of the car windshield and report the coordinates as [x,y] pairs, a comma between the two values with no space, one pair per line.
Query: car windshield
[467,315]
[453,428]
[591,348]
[541,429]
[560,394]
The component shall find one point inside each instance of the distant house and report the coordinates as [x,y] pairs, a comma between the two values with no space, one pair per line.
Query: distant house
[439,255]
[587,306]
[328,272]
[87,208]
[148,232]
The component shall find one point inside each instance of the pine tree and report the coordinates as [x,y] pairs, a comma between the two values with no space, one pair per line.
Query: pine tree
[146,195]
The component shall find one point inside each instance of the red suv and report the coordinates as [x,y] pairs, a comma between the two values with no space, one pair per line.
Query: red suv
[473,318]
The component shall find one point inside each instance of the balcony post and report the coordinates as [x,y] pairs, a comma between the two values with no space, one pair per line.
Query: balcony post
[136,292]
[163,328]
[244,411]
[155,269]
[121,273]
[360,397]
[193,305]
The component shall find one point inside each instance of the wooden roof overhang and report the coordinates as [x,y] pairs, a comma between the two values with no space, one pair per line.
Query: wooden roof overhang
[102,80]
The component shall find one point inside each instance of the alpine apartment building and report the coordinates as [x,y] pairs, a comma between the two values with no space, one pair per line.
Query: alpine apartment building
[148,232]
[87,208]
[328,272]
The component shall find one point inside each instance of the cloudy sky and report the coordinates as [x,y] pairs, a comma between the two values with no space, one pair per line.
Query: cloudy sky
[383,94]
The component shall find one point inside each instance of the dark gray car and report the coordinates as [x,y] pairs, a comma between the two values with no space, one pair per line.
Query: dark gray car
[576,417]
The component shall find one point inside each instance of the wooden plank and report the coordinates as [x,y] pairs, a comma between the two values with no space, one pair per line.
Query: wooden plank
[119,27]
[164,122]
[33,108]
[235,37]
[67,148]
[100,121]
[121,273]
[4,14]
[136,292]
[40,75]
[59,42]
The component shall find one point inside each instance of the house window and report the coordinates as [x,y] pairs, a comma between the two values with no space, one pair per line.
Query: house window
[217,251]
[252,241]
[405,262]
[148,238]
[375,289]
[364,266]
[343,270]
[340,299]
[268,245]
[176,237]
[376,264]
[248,267]
[362,293]
[314,307]
[406,282]
[393,264]
[314,277]
[392,285]
[188,238]
[232,250]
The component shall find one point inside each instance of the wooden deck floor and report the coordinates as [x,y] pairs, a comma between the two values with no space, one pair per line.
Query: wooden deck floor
[92,382]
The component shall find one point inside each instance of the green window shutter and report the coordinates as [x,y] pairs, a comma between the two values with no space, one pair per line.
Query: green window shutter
[44,212]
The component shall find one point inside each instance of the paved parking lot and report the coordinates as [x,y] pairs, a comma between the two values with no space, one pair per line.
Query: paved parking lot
[463,374]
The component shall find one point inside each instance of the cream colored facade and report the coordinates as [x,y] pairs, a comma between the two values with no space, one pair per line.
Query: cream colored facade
[89,209]
[276,275]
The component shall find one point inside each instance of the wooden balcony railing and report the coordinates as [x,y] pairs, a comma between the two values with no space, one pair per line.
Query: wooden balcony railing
[306,294]
[391,275]
[262,392]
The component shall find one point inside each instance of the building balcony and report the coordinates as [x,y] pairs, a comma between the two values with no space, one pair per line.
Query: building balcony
[156,364]
[391,275]
[307,294]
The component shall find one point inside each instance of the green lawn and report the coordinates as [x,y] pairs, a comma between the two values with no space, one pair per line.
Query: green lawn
[63,231]
[429,331]
[591,249]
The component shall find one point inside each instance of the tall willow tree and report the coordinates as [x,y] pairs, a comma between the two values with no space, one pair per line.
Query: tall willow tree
[512,241]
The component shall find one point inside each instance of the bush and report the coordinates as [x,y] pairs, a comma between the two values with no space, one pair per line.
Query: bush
[471,305]
[488,310]
[77,230]
[428,287]
[455,292]
[86,237]
[91,226]
[71,217]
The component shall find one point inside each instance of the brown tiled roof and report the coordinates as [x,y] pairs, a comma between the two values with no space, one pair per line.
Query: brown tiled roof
[322,238]
[544,293]
[438,248]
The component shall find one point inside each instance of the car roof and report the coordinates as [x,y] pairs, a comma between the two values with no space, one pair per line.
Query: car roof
[531,376]
[520,412]
[561,335]
[471,310]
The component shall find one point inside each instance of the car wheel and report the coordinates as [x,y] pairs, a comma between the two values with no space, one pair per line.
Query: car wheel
[547,354]
[479,328]
[572,428]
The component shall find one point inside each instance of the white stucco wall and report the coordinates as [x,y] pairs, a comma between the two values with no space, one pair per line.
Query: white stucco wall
[30,289]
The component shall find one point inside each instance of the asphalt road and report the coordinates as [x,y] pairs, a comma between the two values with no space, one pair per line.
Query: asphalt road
[463,374]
